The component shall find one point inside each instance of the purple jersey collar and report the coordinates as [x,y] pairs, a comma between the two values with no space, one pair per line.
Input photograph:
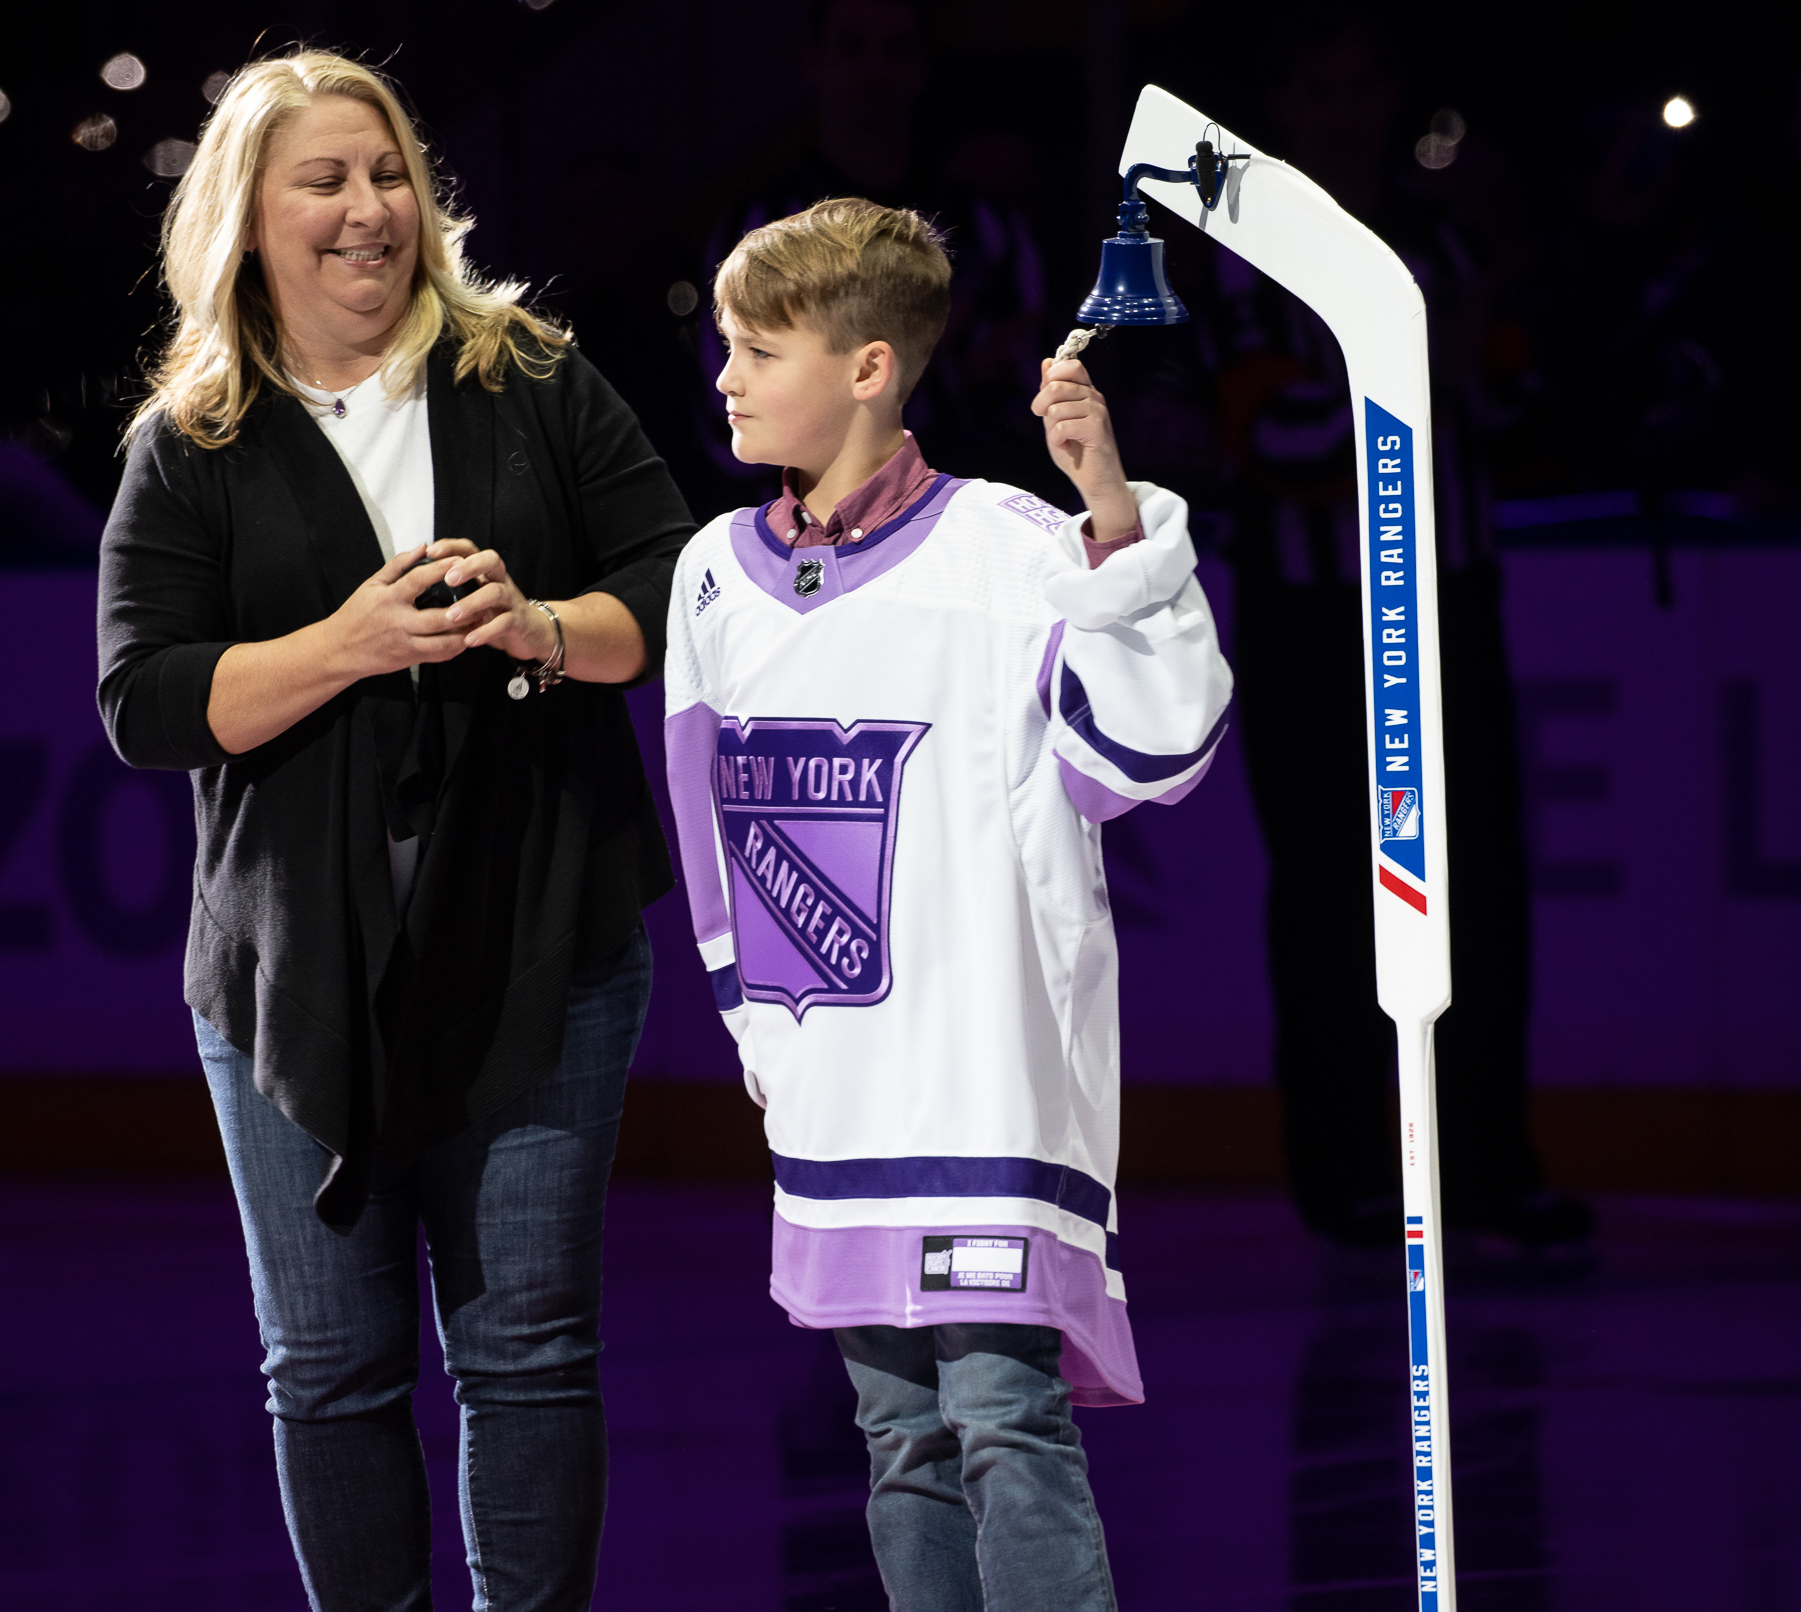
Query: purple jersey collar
[844,567]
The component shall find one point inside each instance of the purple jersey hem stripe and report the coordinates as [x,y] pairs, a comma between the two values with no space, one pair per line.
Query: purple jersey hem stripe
[946,1177]
[870,1276]
[728,992]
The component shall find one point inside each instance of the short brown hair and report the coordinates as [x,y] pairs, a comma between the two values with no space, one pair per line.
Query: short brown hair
[851,270]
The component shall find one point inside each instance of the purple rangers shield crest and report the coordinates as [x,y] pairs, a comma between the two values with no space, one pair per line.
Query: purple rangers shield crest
[808,812]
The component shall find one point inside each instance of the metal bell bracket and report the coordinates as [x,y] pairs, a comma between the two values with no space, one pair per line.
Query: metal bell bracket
[1206,171]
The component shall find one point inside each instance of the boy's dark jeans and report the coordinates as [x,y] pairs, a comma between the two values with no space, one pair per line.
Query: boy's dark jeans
[979,1497]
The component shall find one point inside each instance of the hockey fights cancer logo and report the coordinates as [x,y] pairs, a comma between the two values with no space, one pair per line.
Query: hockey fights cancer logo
[1037,511]
[1394,651]
[808,811]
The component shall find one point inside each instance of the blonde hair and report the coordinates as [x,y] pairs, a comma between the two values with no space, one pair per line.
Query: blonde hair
[226,343]
[851,270]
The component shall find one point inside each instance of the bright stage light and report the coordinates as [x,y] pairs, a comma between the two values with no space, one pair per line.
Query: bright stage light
[1678,112]
[124,71]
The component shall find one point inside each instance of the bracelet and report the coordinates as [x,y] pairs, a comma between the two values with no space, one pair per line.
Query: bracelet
[549,672]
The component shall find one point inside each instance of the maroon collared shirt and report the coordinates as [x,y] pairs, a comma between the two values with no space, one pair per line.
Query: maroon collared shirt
[888,493]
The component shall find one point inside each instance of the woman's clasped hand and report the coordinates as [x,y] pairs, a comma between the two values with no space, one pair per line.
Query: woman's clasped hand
[497,615]
[382,627]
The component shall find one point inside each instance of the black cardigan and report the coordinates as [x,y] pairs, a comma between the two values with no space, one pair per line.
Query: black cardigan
[541,843]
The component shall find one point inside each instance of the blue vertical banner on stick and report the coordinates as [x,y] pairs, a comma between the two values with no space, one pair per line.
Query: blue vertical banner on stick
[1394,639]
[1425,1475]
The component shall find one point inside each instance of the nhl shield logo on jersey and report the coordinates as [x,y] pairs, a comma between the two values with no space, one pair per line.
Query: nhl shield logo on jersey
[809,810]
[1400,813]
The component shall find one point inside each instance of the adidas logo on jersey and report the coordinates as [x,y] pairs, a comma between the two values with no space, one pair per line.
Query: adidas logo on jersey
[709,591]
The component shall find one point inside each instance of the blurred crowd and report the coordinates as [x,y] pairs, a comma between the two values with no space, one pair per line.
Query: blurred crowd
[1607,285]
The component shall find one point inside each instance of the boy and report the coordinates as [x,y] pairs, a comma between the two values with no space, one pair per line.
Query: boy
[899,706]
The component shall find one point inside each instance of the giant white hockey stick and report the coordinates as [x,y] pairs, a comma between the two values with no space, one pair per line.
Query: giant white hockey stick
[1284,224]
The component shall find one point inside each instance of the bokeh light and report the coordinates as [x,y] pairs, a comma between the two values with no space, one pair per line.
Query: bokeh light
[1437,147]
[169,159]
[215,85]
[124,71]
[1434,151]
[537,5]
[95,133]
[1678,112]
[683,298]
[6,107]
[1447,122]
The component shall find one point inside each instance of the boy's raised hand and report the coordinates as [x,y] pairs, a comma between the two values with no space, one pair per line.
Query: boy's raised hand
[1079,432]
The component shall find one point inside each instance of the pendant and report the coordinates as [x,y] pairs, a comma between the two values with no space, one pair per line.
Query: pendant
[519,687]
[337,407]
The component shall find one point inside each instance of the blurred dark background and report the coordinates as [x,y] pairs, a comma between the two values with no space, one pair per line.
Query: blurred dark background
[1634,272]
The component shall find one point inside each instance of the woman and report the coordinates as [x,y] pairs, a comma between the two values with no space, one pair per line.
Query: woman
[415,957]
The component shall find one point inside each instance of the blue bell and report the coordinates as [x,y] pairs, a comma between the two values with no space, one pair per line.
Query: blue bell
[1132,288]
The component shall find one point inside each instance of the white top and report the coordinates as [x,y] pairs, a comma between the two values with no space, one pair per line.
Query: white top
[888,761]
[385,443]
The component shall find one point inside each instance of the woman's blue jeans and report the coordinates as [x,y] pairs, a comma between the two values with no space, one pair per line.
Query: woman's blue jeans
[978,1487]
[512,1212]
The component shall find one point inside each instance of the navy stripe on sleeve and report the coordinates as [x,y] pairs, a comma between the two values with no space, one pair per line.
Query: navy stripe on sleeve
[1138,765]
[728,992]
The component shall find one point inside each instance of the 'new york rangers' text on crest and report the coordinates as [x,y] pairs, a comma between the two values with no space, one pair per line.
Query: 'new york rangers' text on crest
[808,811]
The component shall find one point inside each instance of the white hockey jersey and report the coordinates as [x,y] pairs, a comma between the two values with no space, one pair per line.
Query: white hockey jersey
[888,762]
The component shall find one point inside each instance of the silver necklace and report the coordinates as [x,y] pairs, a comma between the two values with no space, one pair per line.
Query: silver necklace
[337,402]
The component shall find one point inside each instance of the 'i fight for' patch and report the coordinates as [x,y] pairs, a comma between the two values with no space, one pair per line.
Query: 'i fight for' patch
[1394,638]
[808,811]
[991,1264]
